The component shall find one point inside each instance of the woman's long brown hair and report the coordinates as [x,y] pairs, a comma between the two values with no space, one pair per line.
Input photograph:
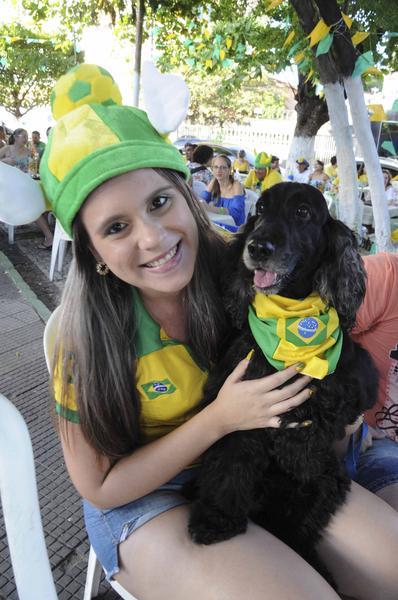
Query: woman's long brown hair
[97,330]
[216,186]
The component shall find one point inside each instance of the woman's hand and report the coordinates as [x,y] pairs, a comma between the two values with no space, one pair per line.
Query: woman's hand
[256,403]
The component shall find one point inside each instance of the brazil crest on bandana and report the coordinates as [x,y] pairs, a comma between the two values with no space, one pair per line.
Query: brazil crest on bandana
[289,331]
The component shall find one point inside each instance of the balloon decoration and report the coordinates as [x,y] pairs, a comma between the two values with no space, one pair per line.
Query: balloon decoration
[21,197]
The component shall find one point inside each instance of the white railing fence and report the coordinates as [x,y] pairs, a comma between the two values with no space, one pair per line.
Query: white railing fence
[272,135]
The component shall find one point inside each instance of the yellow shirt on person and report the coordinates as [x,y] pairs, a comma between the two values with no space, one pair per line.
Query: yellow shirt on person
[252,181]
[331,171]
[242,167]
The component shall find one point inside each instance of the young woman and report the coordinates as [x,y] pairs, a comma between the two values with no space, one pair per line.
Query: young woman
[225,194]
[318,177]
[141,320]
[18,155]
[391,192]
[241,164]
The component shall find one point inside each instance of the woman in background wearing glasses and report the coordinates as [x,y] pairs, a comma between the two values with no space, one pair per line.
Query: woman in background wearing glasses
[224,194]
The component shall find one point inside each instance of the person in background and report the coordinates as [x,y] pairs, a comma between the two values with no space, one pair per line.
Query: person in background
[302,174]
[37,144]
[377,331]
[3,137]
[201,157]
[225,195]
[241,164]
[331,168]
[188,151]
[391,192]
[262,177]
[318,177]
[361,174]
[19,155]
[275,163]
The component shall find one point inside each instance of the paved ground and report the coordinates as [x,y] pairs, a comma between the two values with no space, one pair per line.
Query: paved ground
[26,300]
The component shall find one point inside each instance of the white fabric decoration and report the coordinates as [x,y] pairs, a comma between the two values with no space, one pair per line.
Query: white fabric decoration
[166,98]
[21,197]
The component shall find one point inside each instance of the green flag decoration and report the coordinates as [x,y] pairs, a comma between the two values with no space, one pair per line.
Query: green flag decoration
[324,44]
[364,61]
[389,147]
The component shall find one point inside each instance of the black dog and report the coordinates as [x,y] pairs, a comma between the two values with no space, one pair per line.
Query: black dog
[288,480]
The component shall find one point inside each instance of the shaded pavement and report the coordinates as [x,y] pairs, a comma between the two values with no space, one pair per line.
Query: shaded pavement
[27,298]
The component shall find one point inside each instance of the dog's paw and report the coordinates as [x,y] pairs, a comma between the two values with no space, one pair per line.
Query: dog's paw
[203,531]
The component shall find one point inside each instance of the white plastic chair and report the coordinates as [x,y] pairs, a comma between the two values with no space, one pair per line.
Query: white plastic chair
[29,558]
[250,202]
[11,233]
[94,569]
[198,187]
[61,238]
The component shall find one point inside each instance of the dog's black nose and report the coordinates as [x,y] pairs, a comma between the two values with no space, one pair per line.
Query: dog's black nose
[259,249]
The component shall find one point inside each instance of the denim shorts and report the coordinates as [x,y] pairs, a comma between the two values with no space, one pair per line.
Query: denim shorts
[108,528]
[377,467]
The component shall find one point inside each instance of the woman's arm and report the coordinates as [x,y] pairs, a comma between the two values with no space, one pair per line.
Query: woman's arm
[5,156]
[239,405]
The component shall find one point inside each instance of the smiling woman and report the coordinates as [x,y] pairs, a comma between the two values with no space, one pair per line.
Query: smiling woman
[142,320]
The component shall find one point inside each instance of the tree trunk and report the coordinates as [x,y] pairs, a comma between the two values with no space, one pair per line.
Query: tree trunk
[361,123]
[140,14]
[349,203]
[312,113]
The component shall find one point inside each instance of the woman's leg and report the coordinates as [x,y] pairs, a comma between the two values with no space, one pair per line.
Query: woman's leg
[390,495]
[160,561]
[45,228]
[360,547]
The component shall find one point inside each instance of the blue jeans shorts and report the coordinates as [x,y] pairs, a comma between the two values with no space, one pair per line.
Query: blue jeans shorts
[108,528]
[377,467]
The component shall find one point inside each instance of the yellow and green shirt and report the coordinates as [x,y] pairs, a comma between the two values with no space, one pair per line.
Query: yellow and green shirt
[271,178]
[169,380]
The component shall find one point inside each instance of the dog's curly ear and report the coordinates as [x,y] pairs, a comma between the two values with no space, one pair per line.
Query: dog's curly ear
[238,280]
[341,279]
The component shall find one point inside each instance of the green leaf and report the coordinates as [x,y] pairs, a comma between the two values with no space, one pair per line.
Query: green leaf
[324,44]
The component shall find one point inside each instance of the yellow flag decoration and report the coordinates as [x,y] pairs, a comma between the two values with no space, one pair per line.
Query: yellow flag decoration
[228,42]
[347,20]
[319,32]
[289,39]
[208,63]
[358,37]
[222,54]
[310,74]
[273,4]
[298,58]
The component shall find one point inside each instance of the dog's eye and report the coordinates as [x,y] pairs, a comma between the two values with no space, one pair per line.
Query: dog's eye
[303,213]
[260,206]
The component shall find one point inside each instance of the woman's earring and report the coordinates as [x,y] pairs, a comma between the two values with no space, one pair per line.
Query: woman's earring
[102,268]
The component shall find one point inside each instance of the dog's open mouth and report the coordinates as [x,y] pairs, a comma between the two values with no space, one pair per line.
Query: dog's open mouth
[264,280]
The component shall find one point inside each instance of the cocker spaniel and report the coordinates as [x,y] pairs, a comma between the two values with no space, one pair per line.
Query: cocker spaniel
[293,258]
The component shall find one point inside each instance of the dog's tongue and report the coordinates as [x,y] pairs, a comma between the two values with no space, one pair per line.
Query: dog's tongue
[264,279]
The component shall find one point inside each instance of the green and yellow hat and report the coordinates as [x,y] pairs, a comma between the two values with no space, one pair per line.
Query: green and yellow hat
[262,160]
[96,138]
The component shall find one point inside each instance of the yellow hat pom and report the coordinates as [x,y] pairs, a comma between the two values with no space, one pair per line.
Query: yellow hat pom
[84,84]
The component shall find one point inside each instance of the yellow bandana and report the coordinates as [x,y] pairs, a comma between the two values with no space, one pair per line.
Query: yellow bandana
[290,331]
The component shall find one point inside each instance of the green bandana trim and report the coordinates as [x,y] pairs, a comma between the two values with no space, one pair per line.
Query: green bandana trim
[289,331]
